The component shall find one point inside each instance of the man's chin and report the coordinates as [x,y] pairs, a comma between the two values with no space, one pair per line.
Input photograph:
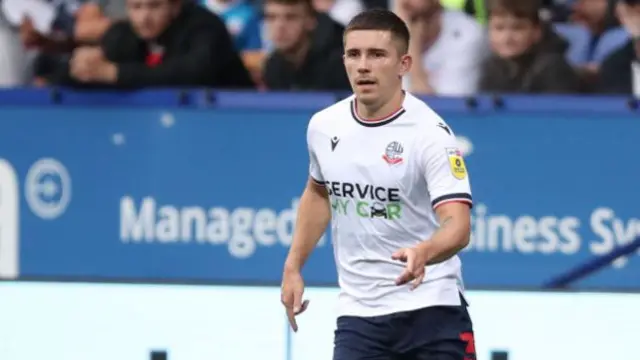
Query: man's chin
[510,55]
[367,98]
[147,35]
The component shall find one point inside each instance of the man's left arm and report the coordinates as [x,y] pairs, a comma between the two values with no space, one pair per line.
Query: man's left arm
[448,185]
[451,237]
[450,192]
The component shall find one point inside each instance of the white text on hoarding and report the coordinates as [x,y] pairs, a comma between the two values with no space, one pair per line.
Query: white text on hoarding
[241,229]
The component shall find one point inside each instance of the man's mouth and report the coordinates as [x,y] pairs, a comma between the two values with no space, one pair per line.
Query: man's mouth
[365,82]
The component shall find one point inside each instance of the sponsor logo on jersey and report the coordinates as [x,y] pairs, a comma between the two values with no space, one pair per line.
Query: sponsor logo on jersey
[393,153]
[364,200]
[456,163]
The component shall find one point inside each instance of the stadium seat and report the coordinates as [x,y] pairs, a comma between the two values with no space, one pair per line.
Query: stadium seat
[609,42]
[579,39]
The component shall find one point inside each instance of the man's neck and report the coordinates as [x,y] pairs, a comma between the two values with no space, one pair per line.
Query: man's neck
[384,109]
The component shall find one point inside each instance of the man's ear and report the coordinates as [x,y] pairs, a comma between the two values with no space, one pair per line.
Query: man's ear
[406,61]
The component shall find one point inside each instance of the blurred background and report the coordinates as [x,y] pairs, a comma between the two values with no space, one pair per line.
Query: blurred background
[152,153]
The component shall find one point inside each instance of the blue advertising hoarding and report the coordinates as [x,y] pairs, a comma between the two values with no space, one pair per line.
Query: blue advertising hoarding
[199,193]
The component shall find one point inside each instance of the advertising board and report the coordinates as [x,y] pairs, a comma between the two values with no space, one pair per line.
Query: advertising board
[210,194]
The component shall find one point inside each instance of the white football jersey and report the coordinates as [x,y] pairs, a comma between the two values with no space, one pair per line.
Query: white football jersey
[385,177]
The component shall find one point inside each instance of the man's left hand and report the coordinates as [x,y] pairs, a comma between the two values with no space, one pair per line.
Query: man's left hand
[88,64]
[415,261]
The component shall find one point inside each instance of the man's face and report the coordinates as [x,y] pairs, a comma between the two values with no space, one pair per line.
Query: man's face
[287,25]
[510,36]
[590,12]
[374,64]
[150,18]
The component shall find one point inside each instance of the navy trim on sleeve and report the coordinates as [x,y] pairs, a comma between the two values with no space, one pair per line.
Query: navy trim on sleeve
[460,197]
[318,182]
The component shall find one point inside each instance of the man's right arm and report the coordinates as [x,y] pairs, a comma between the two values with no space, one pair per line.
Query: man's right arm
[314,214]
[314,211]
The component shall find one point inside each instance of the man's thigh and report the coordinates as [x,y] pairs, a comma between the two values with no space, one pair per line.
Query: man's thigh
[359,338]
[439,333]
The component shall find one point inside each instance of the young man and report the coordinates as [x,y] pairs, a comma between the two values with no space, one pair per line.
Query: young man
[163,43]
[389,168]
[620,71]
[522,62]
[307,48]
[447,47]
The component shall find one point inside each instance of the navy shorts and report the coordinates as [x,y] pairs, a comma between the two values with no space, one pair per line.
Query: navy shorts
[431,333]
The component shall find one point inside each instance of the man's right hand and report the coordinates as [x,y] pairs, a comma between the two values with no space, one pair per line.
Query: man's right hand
[291,296]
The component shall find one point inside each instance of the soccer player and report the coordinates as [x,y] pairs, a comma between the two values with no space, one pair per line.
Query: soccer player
[385,169]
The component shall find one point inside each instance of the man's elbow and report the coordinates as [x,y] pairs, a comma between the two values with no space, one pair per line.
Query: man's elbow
[465,239]
[464,232]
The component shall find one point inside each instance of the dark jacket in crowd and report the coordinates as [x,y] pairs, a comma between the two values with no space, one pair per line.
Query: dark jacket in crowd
[615,71]
[322,68]
[197,50]
[543,69]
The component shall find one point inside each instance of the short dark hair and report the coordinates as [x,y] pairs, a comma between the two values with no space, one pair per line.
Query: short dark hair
[384,20]
[520,9]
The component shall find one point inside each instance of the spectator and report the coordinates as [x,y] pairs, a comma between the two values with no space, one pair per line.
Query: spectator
[620,72]
[93,19]
[307,48]
[50,29]
[45,25]
[447,46]
[242,20]
[521,61]
[163,43]
[46,31]
[56,26]
[595,15]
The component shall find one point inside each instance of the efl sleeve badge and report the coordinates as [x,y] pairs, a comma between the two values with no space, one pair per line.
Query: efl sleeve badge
[456,163]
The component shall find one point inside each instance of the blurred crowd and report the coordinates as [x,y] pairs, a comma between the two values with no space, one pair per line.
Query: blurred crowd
[460,47]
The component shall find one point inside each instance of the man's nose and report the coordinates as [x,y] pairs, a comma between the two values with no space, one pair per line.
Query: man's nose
[363,64]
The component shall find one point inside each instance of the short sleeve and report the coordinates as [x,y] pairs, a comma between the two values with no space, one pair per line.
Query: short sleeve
[444,168]
[314,166]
